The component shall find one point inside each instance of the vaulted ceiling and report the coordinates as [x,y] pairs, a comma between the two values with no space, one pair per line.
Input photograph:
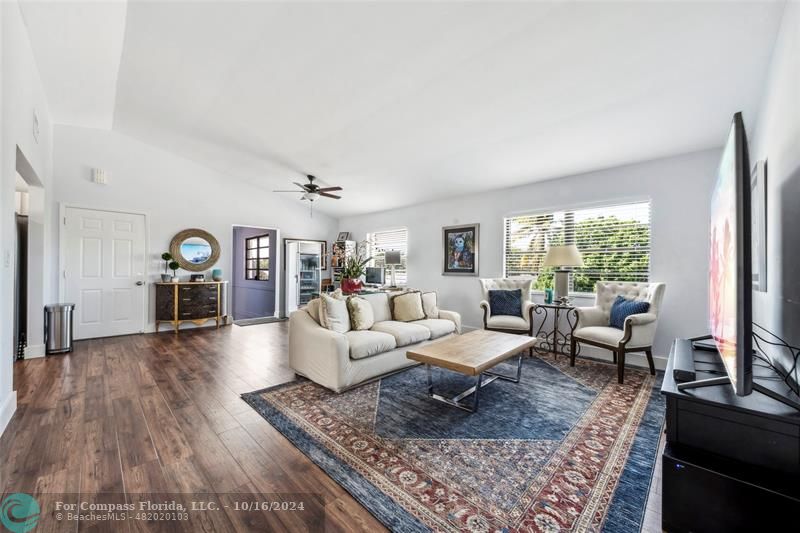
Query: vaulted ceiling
[406,102]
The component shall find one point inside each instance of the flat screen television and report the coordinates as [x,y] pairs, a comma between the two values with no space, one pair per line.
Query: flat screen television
[730,267]
[375,276]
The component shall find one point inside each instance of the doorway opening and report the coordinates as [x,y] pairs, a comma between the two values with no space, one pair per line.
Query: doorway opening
[304,266]
[255,277]
[28,261]
[21,210]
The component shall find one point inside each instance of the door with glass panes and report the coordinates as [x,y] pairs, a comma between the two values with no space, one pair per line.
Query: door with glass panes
[253,279]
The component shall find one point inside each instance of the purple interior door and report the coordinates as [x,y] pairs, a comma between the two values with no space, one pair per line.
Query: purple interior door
[253,277]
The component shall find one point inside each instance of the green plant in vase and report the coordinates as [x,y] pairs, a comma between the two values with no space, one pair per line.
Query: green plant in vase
[353,269]
[167,257]
[174,266]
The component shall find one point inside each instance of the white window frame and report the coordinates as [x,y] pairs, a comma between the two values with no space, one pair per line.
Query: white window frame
[401,273]
[580,207]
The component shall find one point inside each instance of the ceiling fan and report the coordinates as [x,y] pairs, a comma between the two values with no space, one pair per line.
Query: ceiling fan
[312,191]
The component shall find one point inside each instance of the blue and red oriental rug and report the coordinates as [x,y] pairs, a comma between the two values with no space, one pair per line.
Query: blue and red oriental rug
[566,449]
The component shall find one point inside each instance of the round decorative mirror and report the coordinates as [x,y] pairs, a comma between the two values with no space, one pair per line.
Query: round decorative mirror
[194,249]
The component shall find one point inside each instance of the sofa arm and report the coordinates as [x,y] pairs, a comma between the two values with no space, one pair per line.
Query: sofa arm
[486,312]
[590,316]
[317,353]
[528,308]
[640,330]
[641,319]
[453,317]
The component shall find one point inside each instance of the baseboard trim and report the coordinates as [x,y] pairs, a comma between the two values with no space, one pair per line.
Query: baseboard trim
[7,410]
[32,352]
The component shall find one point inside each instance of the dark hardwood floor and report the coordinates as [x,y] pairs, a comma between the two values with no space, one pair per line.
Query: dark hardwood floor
[161,414]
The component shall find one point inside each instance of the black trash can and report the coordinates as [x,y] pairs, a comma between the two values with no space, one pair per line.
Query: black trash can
[58,328]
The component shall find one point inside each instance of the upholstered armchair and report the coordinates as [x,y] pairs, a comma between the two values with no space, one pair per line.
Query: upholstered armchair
[594,327]
[509,323]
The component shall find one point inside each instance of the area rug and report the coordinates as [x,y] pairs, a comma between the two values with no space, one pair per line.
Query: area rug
[566,449]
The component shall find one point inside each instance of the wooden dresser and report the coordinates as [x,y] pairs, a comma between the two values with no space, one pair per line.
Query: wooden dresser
[195,302]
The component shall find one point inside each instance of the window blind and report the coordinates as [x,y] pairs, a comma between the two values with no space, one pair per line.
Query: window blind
[388,240]
[614,241]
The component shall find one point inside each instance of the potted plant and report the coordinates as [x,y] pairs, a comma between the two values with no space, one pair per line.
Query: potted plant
[167,257]
[174,266]
[350,276]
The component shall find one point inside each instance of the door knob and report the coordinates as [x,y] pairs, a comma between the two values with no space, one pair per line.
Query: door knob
[140,283]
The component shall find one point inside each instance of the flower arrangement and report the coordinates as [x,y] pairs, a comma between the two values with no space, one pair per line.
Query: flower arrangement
[353,269]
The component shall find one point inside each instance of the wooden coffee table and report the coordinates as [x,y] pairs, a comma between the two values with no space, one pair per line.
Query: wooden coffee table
[472,354]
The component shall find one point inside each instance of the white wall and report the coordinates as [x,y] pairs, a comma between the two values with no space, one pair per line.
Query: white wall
[174,192]
[777,139]
[22,94]
[678,187]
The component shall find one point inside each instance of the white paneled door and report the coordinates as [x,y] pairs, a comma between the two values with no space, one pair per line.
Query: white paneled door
[104,271]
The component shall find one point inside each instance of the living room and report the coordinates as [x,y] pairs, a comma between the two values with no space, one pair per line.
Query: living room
[261,260]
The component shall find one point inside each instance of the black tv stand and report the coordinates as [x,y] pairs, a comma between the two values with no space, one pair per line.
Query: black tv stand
[731,463]
[706,342]
[683,358]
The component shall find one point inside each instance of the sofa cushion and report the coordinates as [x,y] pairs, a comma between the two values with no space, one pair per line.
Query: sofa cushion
[313,309]
[403,332]
[430,304]
[439,327]
[507,322]
[602,334]
[368,343]
[407,307]
[380,306]
[361,317]
[333,314]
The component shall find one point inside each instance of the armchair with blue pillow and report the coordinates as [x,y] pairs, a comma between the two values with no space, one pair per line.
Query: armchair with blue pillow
[507,305]
[623,320]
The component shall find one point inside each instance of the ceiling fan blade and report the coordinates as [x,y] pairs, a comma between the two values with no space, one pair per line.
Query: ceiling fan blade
[329,195]
[329,189]
[288,191]
[304,187]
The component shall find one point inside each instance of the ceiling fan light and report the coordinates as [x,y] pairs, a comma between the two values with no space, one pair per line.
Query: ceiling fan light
[311,196]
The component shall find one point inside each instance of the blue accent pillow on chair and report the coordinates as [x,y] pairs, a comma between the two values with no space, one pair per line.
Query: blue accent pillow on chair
[505,302]
[622,308]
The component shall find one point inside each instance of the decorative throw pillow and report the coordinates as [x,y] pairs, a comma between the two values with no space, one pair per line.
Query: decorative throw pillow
[506,302]
[622,308]
[338,294]
[313,309]
[429,305]
[361,315]
[333,314]
[407,307]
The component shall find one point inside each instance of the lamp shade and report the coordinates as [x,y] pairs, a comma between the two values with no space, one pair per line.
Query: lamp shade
[391,257]
[563,256]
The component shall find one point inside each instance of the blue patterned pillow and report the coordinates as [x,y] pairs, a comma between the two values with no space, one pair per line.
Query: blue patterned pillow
[622,308]
[505,302]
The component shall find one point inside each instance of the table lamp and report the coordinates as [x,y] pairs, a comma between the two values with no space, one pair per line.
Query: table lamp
[561,257]
[392,258]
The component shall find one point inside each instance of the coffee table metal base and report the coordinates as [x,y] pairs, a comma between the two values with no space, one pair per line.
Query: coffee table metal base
[472,406]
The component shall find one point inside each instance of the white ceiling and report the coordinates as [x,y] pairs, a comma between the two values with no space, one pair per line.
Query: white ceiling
[440,98]
[77,47]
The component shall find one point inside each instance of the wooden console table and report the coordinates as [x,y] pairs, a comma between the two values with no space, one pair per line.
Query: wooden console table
[190,301]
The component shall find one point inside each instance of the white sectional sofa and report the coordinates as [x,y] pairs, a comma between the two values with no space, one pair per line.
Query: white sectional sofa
[341,361]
